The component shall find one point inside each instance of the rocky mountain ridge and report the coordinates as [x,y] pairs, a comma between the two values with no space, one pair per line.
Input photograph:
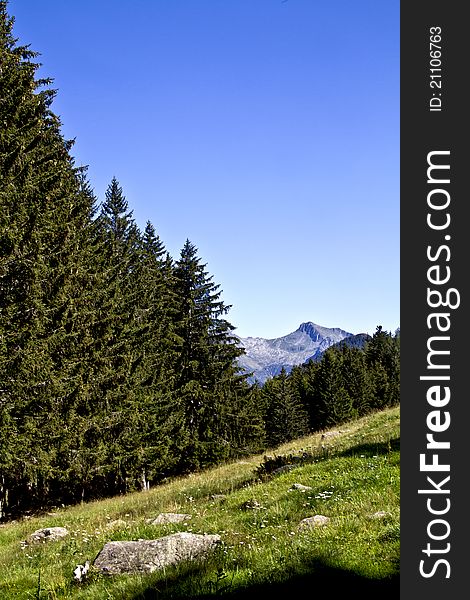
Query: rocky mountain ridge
[266,358]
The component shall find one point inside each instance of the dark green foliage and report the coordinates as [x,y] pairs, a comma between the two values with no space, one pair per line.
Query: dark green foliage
[45,208]
[285,416]
[334,403]
[208,382]
[348,382]
[383,360]
[118,367]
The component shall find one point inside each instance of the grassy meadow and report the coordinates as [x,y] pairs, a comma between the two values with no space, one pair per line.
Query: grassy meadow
[353,472]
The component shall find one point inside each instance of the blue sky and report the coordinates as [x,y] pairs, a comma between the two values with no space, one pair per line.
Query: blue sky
[265,131]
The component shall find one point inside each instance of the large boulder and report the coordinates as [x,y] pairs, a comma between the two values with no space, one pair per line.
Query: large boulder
[146,556]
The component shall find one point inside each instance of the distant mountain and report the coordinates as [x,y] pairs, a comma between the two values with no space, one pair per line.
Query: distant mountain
[266,358]
[354,341]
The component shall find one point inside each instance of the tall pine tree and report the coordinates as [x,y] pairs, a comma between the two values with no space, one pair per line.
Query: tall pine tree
[206,364]
[44,210]
[286,418]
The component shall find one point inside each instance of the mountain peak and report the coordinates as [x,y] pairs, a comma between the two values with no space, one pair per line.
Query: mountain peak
[318,332]
[311,329]
[266,357]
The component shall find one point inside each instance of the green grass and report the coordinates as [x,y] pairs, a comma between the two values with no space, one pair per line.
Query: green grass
[352,475]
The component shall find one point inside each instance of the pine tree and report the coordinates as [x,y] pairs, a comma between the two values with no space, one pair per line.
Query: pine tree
[156,302]
[334,402]
[303,381]
[156,421]
[44,210]
[206,364]
[355,379]
[242,425]
[116,351]
[286,419]
[383,360]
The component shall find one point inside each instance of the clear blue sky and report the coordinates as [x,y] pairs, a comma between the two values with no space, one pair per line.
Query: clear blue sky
[265,131]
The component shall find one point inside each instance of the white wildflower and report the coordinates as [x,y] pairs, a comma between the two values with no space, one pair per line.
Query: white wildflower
[81,571]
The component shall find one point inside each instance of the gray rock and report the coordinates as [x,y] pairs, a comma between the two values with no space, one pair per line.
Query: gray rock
[147,556]
[117,524]
[170,518]
[380,514]
[315,521]
[218,496]
[47,534]
[283,469]
[329,434]
[300,487]
[251,505]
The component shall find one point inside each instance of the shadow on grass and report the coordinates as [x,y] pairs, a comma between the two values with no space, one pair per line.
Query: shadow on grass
[372,448]
[271,466]
[319,578]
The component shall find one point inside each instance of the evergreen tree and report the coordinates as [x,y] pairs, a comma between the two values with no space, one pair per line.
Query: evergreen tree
[117,352]
[206,364]
[355,379]
[286,419]
[383,360]
[242,421]
[155,304]
[157,422]
[116,218]
[303,381]
[44,209]
[333,401]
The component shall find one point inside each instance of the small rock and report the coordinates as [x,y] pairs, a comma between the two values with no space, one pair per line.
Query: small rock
[300,487]
[47,534]
[170,518]
[251,505]
[328,434]
[117,524]
[315,521]
[283,469]
[380,514]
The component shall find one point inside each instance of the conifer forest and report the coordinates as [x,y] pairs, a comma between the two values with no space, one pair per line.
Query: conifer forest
[118,364]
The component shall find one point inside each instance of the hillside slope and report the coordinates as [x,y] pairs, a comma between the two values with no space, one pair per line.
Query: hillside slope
[353,478]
